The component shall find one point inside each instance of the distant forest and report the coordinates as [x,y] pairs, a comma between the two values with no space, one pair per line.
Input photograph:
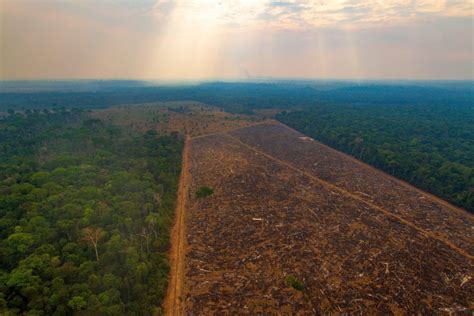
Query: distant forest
[422,132]
[234,97]
[85,214]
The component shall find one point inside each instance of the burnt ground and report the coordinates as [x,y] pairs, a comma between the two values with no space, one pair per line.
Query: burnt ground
[283,205]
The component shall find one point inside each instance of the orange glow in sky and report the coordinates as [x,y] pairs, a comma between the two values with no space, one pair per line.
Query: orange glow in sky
[203,39]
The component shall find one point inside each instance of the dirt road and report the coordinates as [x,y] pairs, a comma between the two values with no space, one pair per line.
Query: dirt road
[172,304]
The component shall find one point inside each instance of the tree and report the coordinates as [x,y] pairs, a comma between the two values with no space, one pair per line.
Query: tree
[77,303]
[93,235]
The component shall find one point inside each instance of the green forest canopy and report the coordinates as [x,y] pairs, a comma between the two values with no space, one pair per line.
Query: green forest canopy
[85,214]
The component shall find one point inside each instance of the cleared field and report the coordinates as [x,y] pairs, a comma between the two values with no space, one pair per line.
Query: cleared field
[430,214]
[184,117]
[284,205]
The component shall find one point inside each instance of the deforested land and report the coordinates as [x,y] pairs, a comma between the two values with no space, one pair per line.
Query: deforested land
[293,226]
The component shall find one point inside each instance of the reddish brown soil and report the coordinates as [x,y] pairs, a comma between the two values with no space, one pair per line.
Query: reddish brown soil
[184,117]
[360,241]
[172,303]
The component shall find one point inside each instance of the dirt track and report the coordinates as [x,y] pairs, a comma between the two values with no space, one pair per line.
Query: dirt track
[172,304]
[360,241]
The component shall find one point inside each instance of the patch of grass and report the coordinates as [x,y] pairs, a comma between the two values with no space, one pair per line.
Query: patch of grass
[202,192]
[294,282]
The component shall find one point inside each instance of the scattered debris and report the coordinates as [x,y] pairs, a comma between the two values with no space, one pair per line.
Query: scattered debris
[353,258]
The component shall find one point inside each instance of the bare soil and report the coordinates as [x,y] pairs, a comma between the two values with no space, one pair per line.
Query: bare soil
[183,117]
[360,241]
[172,303]
[429,213]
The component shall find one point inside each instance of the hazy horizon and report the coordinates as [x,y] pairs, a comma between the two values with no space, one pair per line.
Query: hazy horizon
[209,40]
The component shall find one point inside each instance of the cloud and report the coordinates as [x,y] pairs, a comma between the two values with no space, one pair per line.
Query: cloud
[251,15]
[289,6]
[225,38]
[163,8]
[307,14]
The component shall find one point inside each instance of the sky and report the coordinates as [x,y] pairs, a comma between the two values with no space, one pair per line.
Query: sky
[236,39]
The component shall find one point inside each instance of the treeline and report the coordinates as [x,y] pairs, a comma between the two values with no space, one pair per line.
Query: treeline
[431,147]
[246,97]
[85,214]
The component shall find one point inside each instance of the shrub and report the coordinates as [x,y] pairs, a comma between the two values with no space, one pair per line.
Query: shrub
[202,192]
[294,282]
